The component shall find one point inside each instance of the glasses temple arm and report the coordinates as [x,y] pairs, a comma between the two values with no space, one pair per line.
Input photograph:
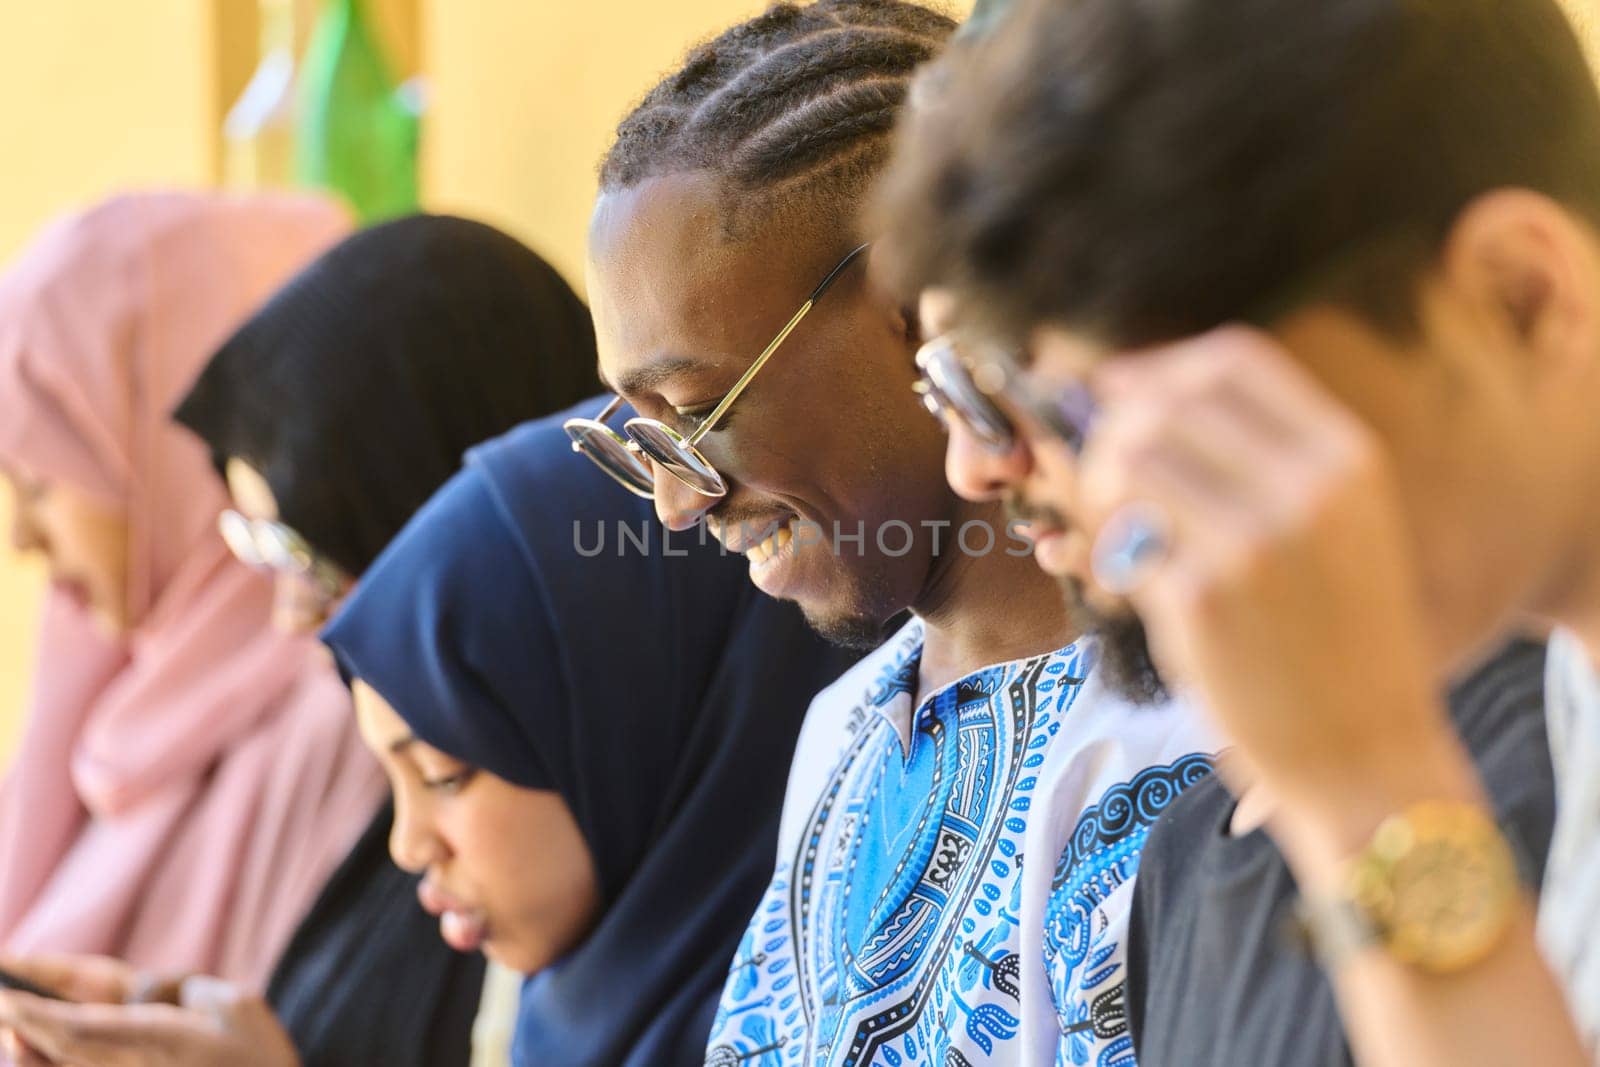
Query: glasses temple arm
[721,409]
[833,275]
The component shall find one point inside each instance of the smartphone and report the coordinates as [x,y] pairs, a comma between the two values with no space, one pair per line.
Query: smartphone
[22,985]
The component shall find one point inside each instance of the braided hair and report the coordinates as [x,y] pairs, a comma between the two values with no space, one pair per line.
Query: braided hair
[792,111]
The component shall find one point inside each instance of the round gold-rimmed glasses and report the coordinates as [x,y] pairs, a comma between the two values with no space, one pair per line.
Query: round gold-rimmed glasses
[628,459]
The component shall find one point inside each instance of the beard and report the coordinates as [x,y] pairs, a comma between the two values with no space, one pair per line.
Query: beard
[1125,662]
[859,633]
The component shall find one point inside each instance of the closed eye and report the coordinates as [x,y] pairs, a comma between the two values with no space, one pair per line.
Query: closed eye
[451,784]
[690,418]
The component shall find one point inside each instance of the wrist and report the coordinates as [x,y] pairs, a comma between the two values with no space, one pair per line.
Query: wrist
[1322,820]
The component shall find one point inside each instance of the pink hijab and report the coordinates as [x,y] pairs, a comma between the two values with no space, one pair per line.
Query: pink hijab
[182,793]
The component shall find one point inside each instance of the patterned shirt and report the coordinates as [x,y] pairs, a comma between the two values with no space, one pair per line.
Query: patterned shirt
[955,877]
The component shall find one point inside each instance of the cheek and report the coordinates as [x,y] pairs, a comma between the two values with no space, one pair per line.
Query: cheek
[854,436]
[542,891]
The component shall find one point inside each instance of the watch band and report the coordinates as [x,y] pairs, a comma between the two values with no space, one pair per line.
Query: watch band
[1333,929]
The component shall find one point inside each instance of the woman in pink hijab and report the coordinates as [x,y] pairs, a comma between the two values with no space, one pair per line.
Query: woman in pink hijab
[188,777]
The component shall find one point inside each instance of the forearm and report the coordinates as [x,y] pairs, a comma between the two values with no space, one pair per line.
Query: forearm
[1505,1009]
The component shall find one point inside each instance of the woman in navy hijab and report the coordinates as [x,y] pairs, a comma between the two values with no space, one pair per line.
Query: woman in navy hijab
[581,734]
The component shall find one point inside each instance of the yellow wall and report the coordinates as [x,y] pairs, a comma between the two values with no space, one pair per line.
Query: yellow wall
[96,96]
[526,96]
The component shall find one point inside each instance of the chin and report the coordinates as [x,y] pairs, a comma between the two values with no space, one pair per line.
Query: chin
[857,610]
[860,632]
[523,959]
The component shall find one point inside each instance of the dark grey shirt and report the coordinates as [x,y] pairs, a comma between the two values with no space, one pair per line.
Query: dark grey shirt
[1216,977]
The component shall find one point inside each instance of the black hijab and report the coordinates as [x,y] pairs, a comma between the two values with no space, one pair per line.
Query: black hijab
[356,390]
[658,692]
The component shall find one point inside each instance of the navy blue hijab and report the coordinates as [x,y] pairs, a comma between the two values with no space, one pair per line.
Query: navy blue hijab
[657,691]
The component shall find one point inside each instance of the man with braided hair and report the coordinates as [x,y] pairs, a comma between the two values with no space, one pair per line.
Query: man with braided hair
[967,805]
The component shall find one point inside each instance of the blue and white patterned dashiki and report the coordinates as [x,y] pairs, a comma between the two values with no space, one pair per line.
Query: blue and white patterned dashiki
[954,878]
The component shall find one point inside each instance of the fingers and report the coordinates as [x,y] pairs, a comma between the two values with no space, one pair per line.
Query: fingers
[15,1053]
[218,1023]
[85,978]
[1226,428]
[243,1016]
[214,996]
[1239,454]
[90,1035]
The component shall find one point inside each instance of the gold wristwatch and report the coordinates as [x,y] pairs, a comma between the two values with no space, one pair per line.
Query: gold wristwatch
[1435,888]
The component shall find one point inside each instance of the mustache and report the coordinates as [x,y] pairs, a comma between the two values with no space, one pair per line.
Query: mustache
[732,516]
[1020,509]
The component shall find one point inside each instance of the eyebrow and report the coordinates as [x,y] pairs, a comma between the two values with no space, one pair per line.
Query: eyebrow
[398,746]
[648,379]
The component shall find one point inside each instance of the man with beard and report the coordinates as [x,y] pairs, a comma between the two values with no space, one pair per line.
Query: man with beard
[927,820]
[1323,514]
[1216,977]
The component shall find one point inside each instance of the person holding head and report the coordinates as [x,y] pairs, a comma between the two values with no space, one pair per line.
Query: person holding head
[185,780]
[1334,307]
[577,741]
[1212,978]
[966,808]
[335,412]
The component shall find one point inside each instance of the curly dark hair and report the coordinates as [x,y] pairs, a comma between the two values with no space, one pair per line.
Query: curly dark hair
[793,109]
[1141,170]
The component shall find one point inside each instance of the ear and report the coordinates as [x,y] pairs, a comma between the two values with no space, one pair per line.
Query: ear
[1534,268]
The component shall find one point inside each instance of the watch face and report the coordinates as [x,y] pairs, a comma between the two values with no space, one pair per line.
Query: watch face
[1447,887]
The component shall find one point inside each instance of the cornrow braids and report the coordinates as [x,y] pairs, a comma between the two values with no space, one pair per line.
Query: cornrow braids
[792,111]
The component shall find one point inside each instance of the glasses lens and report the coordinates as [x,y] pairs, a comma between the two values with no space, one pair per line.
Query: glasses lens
[953,385]
[662,444]
[612,455]
[282,549]
[237,535]
[1069,414]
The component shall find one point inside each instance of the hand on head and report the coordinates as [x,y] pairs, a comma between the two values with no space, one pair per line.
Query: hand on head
[1285,567]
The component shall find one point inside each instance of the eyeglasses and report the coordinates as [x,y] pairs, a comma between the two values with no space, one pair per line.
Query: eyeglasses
[962,379]
[628,459]
[272,546]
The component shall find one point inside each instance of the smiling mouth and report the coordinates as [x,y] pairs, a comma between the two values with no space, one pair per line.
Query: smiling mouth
[772,547]
[757,541]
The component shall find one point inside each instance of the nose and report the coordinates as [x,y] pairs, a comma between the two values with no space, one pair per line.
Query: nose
[677,506]
[413,844]
[976,471]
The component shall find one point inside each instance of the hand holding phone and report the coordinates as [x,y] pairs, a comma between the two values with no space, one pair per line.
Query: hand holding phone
[8,980]
[215,1024]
